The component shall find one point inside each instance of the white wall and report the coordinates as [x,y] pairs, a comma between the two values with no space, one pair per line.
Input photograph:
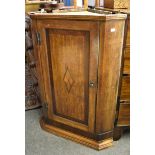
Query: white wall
[79,3]
[91,2]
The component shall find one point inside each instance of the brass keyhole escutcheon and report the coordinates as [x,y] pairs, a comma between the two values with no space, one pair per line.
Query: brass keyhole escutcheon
[91,84]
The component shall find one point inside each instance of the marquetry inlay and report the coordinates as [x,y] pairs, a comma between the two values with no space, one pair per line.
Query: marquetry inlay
[68,80]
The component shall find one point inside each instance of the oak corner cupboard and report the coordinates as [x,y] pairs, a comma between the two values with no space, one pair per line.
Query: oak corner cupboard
[78,57]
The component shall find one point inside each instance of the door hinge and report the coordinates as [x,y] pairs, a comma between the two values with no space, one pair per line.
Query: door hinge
[38,38]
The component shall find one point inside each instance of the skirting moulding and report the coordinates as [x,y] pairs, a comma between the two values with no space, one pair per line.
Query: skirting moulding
[98,145]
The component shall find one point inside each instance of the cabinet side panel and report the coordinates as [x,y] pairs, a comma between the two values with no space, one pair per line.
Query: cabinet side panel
[111,44]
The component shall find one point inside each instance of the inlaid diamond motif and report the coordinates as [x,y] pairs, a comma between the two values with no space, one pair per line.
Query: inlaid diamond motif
[68,80]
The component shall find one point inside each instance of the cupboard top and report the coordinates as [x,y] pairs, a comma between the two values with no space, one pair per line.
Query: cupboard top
[84,15]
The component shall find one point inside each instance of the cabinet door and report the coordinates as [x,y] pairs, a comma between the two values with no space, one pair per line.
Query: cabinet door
[69,54]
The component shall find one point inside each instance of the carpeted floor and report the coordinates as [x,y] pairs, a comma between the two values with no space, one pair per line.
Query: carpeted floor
[39,142]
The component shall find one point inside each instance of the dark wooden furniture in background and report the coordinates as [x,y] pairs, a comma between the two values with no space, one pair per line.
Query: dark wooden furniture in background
[117,4]
[32,95]
[78,57]
[32,68]
[124,110]
[123,107]
[32,5]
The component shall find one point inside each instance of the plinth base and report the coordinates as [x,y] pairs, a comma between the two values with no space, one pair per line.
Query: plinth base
[98,145]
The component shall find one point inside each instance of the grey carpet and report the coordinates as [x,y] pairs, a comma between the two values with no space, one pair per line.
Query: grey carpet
[39,142]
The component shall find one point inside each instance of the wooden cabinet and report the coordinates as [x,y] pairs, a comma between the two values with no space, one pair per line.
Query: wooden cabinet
[32,5]
[117,4]
[78,57]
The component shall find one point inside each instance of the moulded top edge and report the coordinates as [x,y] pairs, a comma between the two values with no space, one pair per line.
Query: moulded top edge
[83,15]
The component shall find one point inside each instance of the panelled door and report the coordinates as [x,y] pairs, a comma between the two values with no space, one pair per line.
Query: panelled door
[69,55]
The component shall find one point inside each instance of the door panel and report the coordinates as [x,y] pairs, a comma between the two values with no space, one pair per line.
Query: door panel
[70,62]
[69,73]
